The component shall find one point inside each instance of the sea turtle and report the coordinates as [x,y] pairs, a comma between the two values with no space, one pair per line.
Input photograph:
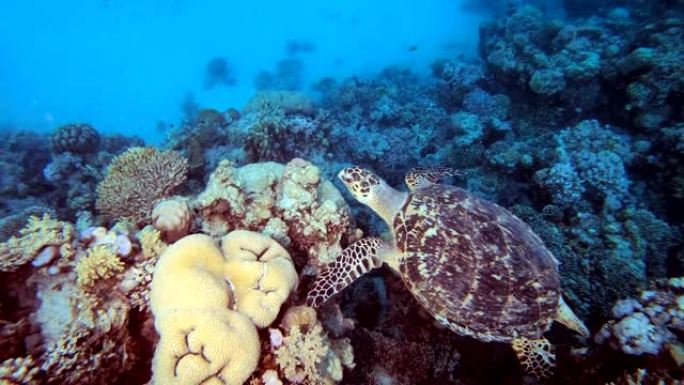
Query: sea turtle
[477,268]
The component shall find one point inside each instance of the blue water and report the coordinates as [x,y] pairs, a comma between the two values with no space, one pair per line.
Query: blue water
[550,134]
[123,66]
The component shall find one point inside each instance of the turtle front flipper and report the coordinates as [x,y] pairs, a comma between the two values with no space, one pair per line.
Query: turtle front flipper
[420,177]
[359,258]
[536,356]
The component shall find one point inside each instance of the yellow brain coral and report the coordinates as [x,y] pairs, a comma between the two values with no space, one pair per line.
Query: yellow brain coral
[189,274]
[136,180]
[205,337]
[261,272]
[211,346]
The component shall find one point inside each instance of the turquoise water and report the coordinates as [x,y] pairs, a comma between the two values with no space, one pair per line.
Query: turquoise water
[125,65]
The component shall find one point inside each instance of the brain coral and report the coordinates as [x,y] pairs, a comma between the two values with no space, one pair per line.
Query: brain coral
[136,180]
[205,300]
[261,273]
[289,203]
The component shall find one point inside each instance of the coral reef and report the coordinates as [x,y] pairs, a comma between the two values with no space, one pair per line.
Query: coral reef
[632,67]
[305,354]
[590,158]
[39,241]
[261,274]
[569,115]
[120,195]
[79,138]
[21,370]
[205,321]
[642,325]
[172,218]
[101,262]
[290,203]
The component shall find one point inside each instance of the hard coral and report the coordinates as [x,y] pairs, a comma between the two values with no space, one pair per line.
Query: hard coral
[21,370]
[78,138]
[261,273]
[280,133]
[101,262]
[172,218]
[200,337]
[199,346]
[307,355]
[151,242]
[643,325]
[590,156]
[291,102]
[136,180]
[85,339]
[204,303]
[263,196]
[37,235]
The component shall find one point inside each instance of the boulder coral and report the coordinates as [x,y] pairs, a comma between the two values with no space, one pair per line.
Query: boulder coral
[172,218]
[291,203]
[203,311]
[645,325]
[79,138]
[136,180]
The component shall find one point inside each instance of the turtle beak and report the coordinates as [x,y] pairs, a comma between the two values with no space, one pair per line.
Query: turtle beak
[344,176]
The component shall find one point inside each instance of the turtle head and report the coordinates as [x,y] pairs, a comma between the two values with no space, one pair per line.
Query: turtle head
[372,191]
[362,184]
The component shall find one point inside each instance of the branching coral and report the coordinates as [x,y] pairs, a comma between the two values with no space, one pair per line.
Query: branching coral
[276,133]
[101,262]
[136,180]
[37,235]
[307,355]
[151,242]
[290,102]
[85,339]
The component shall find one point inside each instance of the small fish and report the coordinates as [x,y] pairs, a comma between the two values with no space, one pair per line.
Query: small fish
[413,48]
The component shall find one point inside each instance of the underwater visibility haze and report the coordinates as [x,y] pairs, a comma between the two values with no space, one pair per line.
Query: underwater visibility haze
[342,192]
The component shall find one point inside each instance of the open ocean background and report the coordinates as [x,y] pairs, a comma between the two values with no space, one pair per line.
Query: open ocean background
[124,66]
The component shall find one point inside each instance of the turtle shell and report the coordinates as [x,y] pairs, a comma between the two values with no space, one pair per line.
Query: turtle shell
[477,268]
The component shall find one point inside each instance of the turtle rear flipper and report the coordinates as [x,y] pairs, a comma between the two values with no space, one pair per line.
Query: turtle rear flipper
[356,260]
[536,356]
[420,177]
[568,318]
